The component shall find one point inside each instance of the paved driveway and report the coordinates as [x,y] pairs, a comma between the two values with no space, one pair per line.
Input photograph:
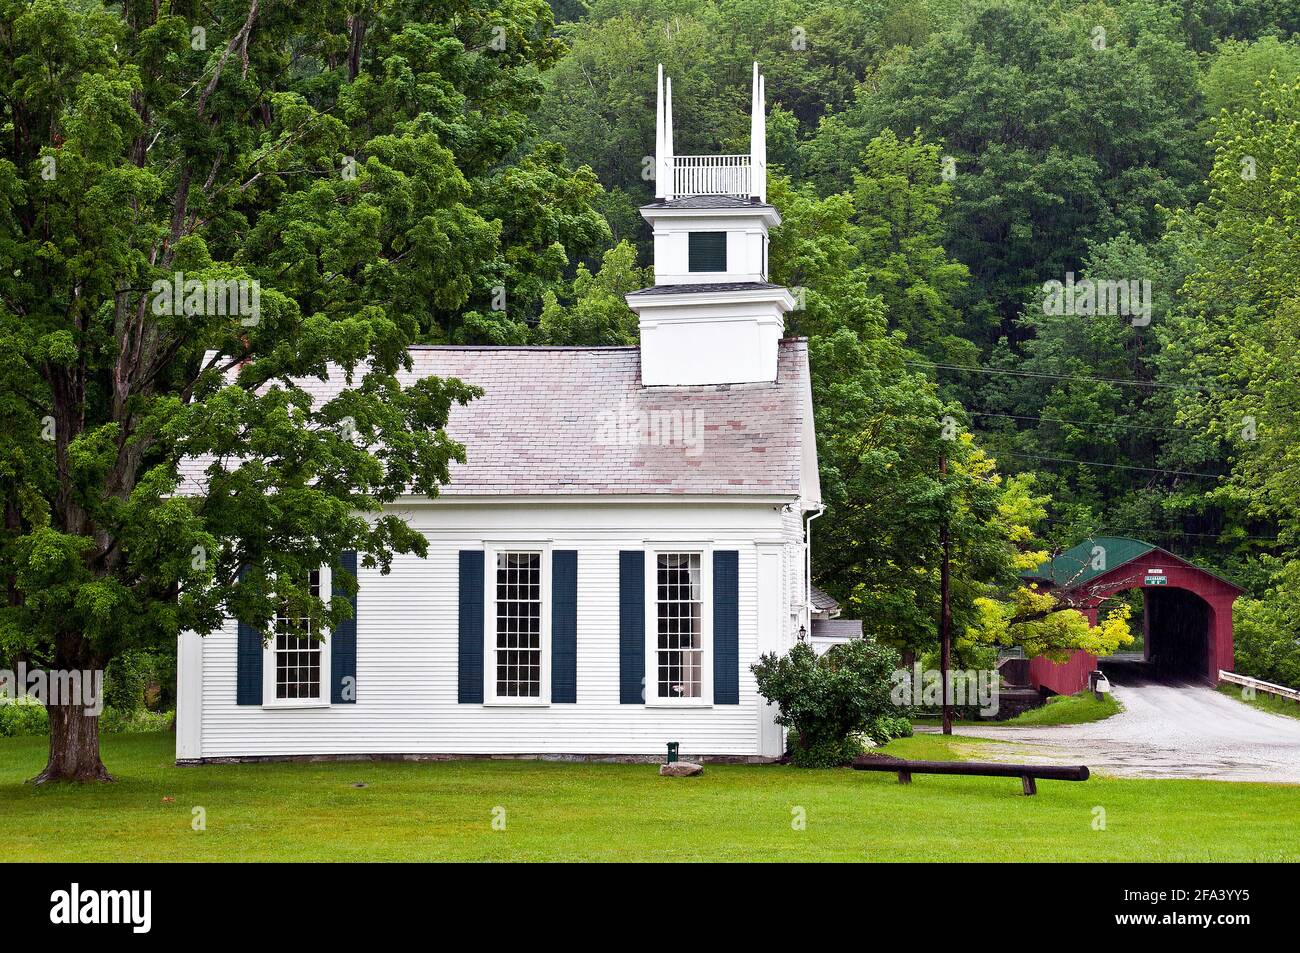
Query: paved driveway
[1165,731]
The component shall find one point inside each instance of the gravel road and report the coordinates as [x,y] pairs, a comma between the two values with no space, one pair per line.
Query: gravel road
[1165,731]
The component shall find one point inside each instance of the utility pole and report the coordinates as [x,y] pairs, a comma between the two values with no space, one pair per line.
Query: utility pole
[945,606]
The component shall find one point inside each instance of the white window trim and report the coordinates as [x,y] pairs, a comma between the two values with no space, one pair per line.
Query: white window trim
[490,552]
[652,552]
[268,663]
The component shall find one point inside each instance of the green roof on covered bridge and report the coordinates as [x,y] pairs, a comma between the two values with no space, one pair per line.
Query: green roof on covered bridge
[1079,564]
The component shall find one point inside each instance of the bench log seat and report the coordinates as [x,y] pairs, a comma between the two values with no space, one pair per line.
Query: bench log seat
[1027,773]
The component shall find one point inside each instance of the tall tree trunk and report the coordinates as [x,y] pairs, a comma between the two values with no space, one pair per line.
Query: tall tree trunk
[74,746]
[356,38]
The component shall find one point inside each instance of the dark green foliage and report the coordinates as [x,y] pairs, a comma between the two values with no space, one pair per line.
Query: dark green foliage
[1055,143]
[829,701]
[137,681]
[1267,632]
[371,167]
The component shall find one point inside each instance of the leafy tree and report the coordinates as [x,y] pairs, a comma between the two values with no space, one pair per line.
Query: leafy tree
[814,54]
[1036,622]
[899,200]
[598,313]
[1266,631]
[1087,390]
[1236,70]
[1201,23]
[1054,142]
[882,430]
[547,212]
[351,163]
[1231,341]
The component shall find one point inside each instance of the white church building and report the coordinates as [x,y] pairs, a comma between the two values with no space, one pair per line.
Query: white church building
[629,532]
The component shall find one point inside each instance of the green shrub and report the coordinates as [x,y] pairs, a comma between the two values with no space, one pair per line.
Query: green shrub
[132,722]
[22,717]
[830,702]
[29,717]
[1266,637]
[823,752]
[886,728]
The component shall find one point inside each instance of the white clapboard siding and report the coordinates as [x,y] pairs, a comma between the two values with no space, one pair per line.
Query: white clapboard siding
[407,646]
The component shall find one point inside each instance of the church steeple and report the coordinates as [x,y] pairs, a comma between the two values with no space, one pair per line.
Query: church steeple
[743,176]
[711,316]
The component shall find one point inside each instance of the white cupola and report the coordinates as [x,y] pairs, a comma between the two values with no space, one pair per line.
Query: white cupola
[711,317]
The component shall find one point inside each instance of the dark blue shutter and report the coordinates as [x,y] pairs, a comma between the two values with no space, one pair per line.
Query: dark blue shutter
[726,627]
[343,653]
[248,665]
[564,626]
[631,627]
[470,667]
[248,679]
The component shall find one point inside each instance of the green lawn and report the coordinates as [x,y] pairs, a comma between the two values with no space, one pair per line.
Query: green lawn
[1263,701]
[1059,710]
[444,811]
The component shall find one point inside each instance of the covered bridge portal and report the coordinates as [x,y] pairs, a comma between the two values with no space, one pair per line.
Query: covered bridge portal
[1187,611]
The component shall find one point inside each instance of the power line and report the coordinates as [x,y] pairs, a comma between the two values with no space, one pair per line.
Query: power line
[1116,466]
[1127,381]
[1175,532]
[1081,423]
[1152,531]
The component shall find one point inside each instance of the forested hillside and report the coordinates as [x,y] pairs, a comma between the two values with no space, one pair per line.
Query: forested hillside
[937,164]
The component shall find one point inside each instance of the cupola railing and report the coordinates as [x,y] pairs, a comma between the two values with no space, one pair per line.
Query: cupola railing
[711,175]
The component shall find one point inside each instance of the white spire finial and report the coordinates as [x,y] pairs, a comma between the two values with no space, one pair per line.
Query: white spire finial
[668,139]
[757,139]
[761,172]
[661,180]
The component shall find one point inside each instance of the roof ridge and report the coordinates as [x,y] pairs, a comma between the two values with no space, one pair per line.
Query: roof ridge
[523,347]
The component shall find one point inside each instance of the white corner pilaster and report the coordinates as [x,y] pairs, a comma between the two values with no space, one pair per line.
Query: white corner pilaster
[771,620]
[189,696]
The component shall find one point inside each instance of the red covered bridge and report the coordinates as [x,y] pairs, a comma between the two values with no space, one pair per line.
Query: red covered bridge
[1187,610]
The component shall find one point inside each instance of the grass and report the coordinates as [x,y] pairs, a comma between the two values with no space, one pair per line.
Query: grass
[1059,710]
[1263,701]
[606,812]
[1075,709]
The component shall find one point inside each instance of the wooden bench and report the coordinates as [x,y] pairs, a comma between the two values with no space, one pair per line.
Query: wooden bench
[1027,773]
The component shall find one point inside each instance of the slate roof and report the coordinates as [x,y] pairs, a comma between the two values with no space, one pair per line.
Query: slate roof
[559,420]
[708,201]
[837,628]
[705,287]
[822,601]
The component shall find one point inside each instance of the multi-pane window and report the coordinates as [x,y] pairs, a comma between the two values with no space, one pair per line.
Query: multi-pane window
[297,654]
[679,651]
[519,625]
